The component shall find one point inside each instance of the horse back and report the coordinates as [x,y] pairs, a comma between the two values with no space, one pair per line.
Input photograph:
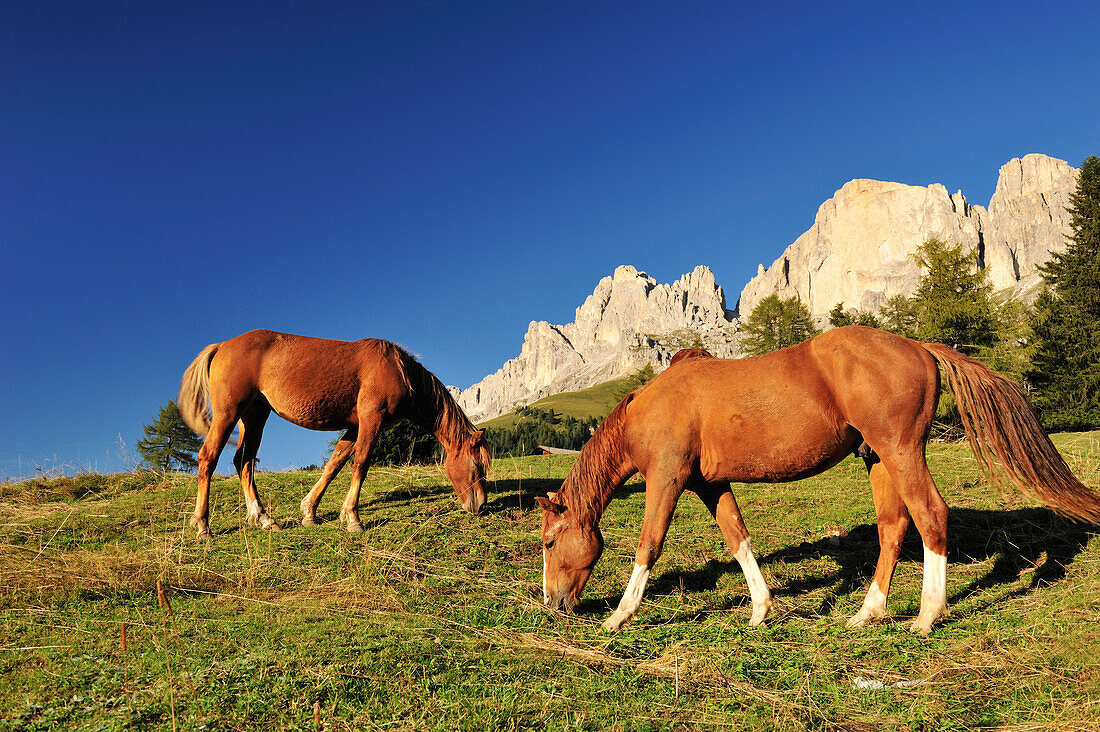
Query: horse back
[784,415]
[316,383]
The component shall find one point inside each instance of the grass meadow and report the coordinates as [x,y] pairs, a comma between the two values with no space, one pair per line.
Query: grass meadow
[432,619]
[595,401]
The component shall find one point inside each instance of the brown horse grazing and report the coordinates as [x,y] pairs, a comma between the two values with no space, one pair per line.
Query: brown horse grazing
[788,415]
[357,386]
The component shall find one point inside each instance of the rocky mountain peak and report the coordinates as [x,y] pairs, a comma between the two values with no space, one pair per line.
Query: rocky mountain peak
[858,251]
[617,329]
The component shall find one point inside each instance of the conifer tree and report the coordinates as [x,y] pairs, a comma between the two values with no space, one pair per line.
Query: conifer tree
[775,324]
[169,444]
[954,298]
[899,315]
[1065,372]
[839,317]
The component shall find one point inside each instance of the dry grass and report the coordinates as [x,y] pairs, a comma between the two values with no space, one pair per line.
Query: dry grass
[433,619]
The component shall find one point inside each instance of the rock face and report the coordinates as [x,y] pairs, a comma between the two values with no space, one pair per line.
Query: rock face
[628,321]
[1027,220]
[858,252]
[858,249]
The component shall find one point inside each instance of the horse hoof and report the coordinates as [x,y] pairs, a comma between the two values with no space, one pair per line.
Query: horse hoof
[204,536]
[309,521]
[617,620]
[355,528]
[921,627]
[270,525]
[864,619]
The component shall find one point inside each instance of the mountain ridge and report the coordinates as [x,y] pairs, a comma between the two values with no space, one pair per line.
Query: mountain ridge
[858,251]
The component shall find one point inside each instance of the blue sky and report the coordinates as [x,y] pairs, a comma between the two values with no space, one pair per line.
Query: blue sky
[442,173]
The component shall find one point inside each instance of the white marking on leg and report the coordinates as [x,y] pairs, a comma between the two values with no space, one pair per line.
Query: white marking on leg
[632,598]
[874,606]
[933,598]
[758,588]
[934,592]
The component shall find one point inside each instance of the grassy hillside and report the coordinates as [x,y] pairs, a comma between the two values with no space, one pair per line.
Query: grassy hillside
[432,619]
[595,401]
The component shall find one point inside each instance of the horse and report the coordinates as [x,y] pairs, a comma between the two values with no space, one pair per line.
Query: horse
[360,387]
[791,414]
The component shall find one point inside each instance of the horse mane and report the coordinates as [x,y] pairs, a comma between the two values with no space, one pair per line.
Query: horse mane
[433,406]
[600,467]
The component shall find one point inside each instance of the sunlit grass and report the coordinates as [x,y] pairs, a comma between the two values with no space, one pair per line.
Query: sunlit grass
[432,619]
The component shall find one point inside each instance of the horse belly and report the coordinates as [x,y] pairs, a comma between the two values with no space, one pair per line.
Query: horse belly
[773,455]
[324,399]
[316,413]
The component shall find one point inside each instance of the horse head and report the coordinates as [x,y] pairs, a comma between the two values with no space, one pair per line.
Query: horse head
[466,466]
[569,552]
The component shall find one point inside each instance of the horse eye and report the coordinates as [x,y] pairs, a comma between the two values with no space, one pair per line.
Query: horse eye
[550,544]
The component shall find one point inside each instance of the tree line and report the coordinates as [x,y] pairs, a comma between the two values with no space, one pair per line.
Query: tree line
[535,427]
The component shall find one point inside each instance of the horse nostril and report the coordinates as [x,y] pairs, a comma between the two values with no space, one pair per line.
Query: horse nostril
[474,503]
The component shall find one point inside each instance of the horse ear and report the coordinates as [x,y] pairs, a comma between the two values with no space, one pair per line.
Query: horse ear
[548,505]
[477,437]
[552,496]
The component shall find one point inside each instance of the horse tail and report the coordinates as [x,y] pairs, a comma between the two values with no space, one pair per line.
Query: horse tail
[1003,431]
[195,391]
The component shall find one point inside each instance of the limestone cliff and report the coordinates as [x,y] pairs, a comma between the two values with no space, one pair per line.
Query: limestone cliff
[859,249]
[858,252]
[621,326]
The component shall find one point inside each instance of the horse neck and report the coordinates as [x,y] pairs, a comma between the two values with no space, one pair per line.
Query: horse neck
[601,468]
[437,412]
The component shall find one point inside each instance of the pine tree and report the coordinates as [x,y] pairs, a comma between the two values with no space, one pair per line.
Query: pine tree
[169,443]
[775,324]
[839,317]
[1065,372]
[900,315]
[954,299]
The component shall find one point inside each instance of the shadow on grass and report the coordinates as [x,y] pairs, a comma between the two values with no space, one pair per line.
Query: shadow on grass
[1018,541]
[405,496]
[520,494]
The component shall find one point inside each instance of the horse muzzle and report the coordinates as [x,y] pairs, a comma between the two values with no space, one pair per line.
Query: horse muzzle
[475,500]
[560,601]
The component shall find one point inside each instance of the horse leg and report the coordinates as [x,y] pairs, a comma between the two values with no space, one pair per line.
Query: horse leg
[368,430]
[251,432]
[660,502]
[722,505]
[211,449]
[893,520]
[909,475]
[340,455]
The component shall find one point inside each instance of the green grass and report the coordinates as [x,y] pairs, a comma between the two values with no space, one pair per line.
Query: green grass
[595,401]
[432,619]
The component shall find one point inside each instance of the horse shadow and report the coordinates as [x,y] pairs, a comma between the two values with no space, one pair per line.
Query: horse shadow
[517,494]
[1017,541]
[520,494]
